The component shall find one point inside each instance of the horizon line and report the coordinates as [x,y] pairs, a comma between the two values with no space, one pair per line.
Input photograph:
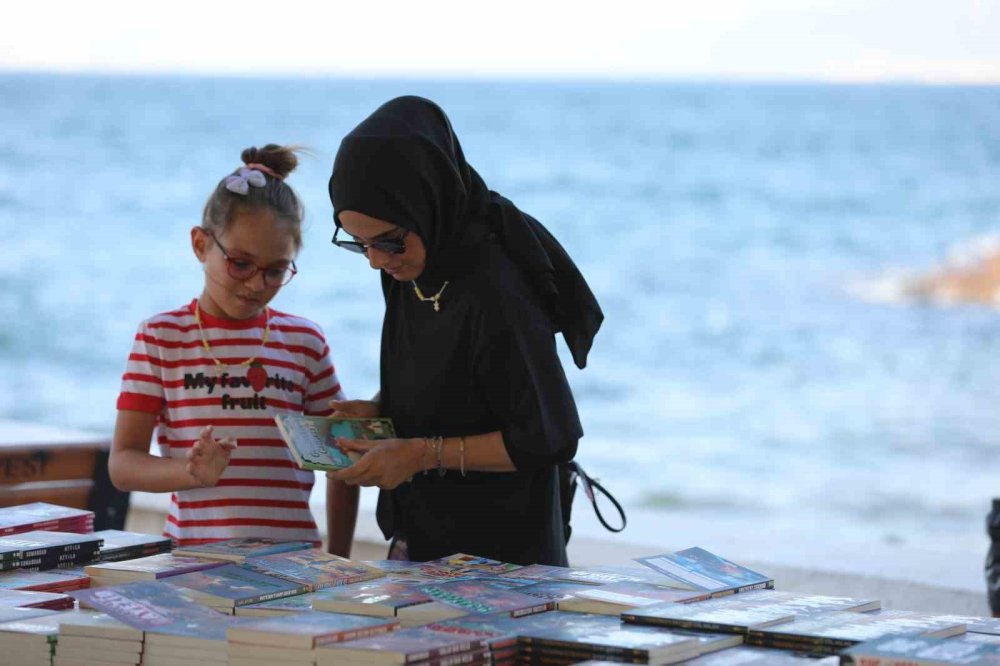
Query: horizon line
[551,76]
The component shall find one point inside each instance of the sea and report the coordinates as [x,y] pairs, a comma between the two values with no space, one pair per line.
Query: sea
[758,371]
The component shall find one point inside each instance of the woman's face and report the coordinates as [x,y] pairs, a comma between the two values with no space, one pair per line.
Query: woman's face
[366,229]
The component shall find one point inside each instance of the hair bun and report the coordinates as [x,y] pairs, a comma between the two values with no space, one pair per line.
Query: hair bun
[279,159]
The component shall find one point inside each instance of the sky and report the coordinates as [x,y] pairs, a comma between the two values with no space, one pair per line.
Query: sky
[939,41]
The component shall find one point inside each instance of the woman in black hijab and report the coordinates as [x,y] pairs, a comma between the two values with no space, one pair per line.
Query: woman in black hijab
[475,291]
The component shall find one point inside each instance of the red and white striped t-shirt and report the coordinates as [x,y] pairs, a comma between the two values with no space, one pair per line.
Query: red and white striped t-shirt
[262,492]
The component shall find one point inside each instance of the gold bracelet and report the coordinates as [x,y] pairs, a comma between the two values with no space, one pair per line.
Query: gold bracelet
[461,454]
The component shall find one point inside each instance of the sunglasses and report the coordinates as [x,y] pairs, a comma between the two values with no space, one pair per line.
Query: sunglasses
[387,245]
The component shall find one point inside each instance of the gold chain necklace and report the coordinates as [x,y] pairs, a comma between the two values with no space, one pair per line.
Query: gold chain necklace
[208,347]
[433,299]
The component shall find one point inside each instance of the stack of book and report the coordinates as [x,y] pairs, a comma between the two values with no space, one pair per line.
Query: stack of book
[30,641]
[314,568]
[916,650]
[153,567]
[241,549]
[39,550]
[120,545]
[178,630]
[89,637]
[829,633]
[44,516]
[292,640]
[56,580]
[566,638]
[227,587]
[416,646]
[23,599]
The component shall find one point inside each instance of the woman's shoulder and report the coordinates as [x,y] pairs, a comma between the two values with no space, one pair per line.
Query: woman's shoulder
[505,297]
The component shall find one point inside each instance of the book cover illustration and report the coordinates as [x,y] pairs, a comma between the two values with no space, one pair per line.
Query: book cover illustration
[702,570]
[484,596]
[975,624]
[635,595]
[725,614]
[311,439]
[40,515]
[314,567]
[920,651]
[377,597]
[233,585]
[461,565]
[838,629]
[157,607]
[605,635]
[43,581]
[239,549]
[309,630]
[26,599]
[152,566]
[807,605]
[537,573]
[553,590]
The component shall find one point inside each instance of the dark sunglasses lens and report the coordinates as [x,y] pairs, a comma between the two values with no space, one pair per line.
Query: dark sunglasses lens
[393,246]
[351,246]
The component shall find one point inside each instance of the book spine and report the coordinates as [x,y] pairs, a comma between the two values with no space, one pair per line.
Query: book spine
[365,632]
[531,610]
[683,624]
[267,596]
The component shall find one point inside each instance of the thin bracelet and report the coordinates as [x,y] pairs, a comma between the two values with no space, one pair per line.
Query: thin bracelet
[428,448]
[440,452]
[461,454]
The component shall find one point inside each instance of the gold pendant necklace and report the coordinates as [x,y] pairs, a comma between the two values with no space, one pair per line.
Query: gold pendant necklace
[433,299]
[208,347]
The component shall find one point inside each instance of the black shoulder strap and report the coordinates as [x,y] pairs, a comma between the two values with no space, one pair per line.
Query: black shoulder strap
[590,485]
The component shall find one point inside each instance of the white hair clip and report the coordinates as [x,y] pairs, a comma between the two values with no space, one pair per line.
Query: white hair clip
[240,182]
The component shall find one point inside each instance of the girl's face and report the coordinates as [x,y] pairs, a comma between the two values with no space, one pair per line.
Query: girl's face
[365,229]
[254,238]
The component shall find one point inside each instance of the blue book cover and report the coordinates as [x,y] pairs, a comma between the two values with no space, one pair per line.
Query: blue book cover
[314,567]
[232,585]
[921,651]
[157,607]
[699,569]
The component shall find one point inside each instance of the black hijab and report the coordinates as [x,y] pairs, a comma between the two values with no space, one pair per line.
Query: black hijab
[404,164]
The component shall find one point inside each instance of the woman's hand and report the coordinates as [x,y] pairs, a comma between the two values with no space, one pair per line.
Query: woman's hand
[208,458]
[354,409]
[385,463]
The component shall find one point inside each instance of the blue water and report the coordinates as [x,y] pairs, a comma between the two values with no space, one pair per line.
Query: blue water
[739,372]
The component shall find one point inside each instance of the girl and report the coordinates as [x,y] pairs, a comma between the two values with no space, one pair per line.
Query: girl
[210,375]
[475,290]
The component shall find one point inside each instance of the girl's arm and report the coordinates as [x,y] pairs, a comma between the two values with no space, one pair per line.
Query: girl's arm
[131,466]
[341,516]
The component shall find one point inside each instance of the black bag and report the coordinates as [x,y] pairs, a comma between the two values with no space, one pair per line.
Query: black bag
[571,475]
[993,558]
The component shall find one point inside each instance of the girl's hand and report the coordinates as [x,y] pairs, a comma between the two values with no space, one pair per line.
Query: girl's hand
[208,458]
[385,463]
[354,409]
